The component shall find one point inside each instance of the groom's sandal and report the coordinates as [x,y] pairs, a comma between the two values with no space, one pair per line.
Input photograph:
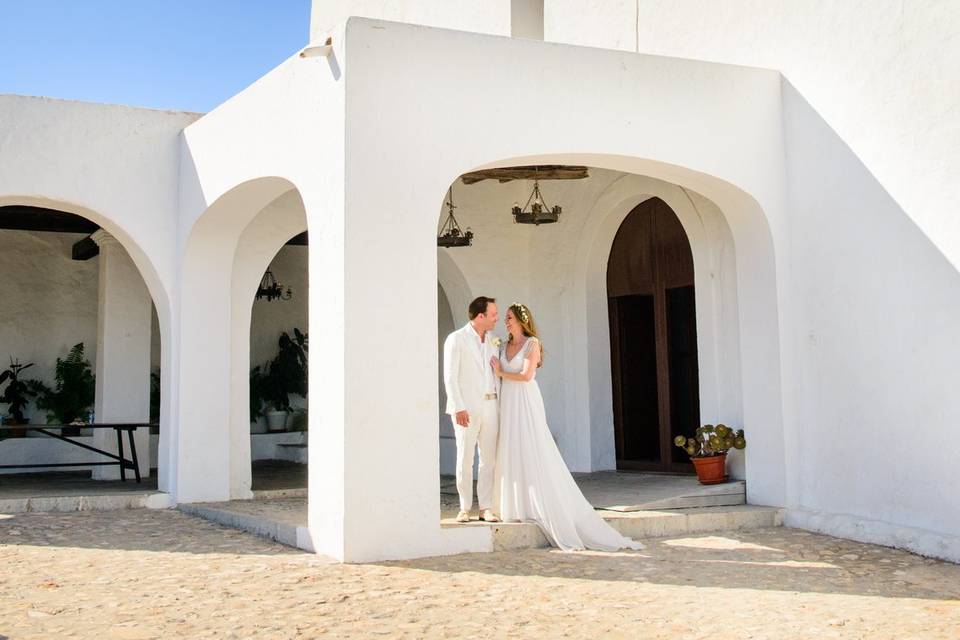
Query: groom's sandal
[463,516]
[487,515]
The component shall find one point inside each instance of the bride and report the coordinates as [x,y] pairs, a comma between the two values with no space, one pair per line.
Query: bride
[533,483]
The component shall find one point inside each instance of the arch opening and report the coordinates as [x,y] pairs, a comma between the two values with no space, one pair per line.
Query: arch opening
[255,227]
[86,321]
[725,353]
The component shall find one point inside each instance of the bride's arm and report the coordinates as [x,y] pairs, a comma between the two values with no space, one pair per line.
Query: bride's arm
[530,362]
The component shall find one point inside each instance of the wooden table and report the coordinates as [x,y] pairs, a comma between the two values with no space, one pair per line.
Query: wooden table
[115,458]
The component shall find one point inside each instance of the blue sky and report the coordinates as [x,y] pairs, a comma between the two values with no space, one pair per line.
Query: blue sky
[165,54]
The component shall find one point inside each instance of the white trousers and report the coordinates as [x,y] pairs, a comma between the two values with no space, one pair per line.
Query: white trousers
[481,434]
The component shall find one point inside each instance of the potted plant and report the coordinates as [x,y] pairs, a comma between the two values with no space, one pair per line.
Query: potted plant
[17,394]
[708,450]
[285,374]
[75,389]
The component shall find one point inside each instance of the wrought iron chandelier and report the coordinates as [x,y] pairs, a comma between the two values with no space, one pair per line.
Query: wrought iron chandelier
[536,211]
[451,235]
[271,289]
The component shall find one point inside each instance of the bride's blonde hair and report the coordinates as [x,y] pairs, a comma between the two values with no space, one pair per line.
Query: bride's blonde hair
[529,327]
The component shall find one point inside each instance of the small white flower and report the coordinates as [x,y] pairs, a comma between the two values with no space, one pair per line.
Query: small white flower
[495,342]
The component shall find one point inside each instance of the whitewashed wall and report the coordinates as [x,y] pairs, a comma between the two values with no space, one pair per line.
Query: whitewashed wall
[488,16]
[881,74]
[872,122]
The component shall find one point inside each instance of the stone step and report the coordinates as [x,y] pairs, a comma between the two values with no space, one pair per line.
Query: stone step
[641,525]
[623,492]
[284,521]
[272,494]
[292,452]
[279,523]
[96,502]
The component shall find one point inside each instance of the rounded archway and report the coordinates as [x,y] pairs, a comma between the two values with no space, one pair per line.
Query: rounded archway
[562,272]
[228,250]
[277,307]
[84,297]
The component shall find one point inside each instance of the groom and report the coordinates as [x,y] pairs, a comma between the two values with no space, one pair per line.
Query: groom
[472,403]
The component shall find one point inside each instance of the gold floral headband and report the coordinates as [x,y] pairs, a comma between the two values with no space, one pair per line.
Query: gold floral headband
[524,314]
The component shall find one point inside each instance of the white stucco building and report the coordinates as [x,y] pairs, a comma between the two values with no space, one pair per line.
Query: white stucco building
[809,151]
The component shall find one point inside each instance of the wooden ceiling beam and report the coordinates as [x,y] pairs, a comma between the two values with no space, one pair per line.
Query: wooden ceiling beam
[540,172]
[85,249]
[24,218]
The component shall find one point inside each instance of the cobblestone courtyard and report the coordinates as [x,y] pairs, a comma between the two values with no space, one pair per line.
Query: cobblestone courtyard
[163,574]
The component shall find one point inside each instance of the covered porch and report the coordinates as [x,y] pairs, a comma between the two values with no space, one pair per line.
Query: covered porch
[375,459]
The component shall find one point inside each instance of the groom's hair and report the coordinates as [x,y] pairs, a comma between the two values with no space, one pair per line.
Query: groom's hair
[478,306]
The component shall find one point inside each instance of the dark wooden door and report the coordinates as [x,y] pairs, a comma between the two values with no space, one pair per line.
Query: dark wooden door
[653,339]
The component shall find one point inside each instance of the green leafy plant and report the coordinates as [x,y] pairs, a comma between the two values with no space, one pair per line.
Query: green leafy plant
[711,440]
[18,392]
[74,392]
[273,382]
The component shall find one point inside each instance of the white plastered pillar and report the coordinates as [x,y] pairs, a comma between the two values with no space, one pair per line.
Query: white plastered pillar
[123,353]
[374,490]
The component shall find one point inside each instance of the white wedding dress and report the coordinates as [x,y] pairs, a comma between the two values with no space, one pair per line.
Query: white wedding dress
[532,481]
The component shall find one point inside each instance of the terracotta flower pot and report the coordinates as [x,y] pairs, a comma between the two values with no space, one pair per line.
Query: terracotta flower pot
[712,469]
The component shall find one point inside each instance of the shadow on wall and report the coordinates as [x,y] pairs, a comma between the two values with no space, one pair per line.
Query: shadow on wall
[874,320]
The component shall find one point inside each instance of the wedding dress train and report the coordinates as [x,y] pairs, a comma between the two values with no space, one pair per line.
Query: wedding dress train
[533,482]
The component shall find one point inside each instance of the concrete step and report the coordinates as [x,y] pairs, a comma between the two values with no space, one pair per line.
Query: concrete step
[625,492]
[96,502]
[292,452]
[641,525]
[284,520]
[272,519]
[273,494]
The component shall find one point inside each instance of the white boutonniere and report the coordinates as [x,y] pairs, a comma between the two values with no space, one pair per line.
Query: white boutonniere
[495,341]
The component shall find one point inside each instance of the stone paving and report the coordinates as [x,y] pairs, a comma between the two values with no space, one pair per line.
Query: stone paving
[159,574]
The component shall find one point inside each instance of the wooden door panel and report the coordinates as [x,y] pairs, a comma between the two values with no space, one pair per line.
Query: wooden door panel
[653,339]
[639,430]
[630,269]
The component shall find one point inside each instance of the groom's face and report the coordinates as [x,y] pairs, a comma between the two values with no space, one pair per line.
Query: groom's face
[489,318]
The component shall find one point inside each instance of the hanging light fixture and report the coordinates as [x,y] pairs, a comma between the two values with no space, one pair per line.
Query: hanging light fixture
[451,235]
[536,210]
[271,289]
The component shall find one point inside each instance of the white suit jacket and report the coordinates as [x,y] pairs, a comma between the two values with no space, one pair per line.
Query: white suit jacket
[464,369]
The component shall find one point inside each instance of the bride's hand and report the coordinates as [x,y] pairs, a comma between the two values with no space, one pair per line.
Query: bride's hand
[495,363]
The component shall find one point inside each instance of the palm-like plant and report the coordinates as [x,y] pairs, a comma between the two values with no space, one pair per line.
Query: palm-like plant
[74,392]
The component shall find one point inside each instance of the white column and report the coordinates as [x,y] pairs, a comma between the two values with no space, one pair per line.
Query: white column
[374,458]
[123,354]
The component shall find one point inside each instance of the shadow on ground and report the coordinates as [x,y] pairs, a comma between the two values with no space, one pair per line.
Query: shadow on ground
[780,559]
